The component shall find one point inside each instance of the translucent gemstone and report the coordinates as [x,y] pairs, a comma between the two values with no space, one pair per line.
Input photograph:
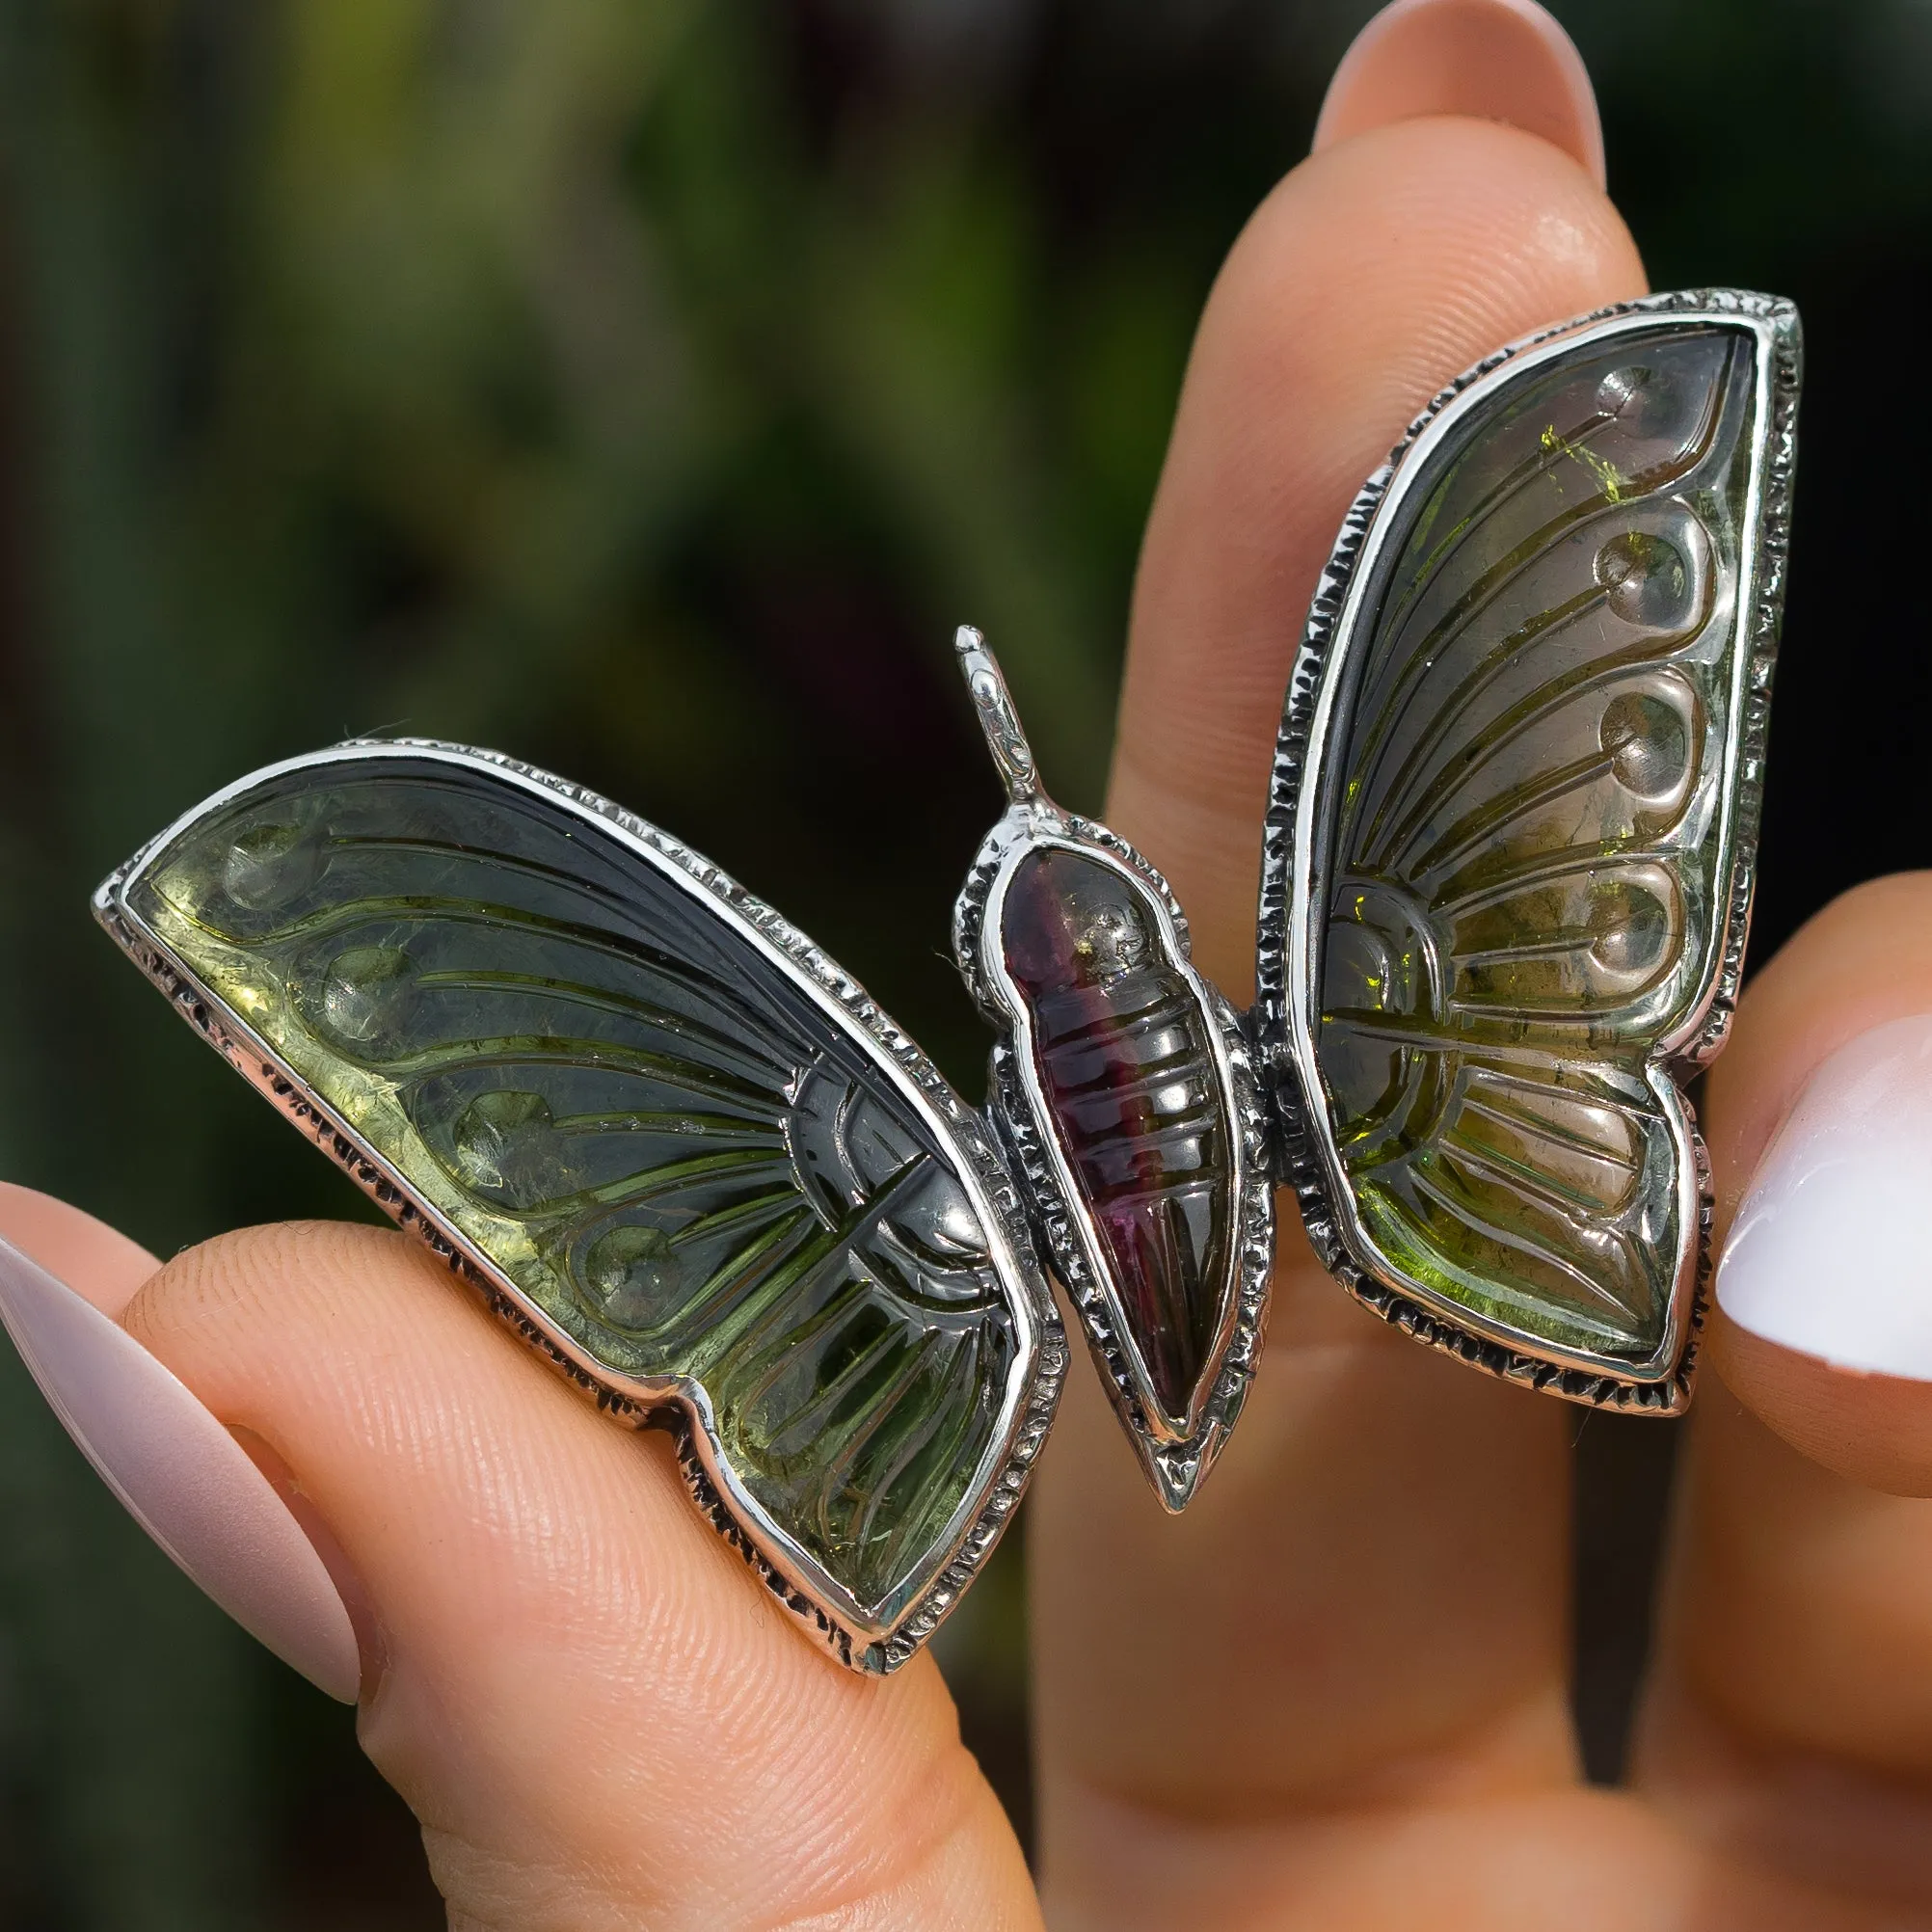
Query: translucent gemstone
[938,1219]
[1622,392]
[1124,1055]
[507,1146]
[1648,743]
[1519,884]
[268,865]
[682,1159]
[367,993]
[1630,930]
[635,1278]
[1648,578]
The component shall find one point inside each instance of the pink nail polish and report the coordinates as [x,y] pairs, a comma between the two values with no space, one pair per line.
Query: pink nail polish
[1493,60]
[182,1477]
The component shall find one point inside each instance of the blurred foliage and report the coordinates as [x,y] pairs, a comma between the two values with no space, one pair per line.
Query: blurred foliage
[647,387]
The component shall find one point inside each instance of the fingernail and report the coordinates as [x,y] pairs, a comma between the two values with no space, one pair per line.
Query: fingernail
[1831,1253]
[182,1477]
[1495,60]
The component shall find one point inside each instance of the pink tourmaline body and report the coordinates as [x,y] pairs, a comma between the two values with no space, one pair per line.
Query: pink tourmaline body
[1122,1050]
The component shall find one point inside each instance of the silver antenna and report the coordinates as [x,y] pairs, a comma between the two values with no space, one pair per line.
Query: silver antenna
[1012,755]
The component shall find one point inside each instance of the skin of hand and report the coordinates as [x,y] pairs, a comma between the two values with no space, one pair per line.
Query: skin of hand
[1333,1694]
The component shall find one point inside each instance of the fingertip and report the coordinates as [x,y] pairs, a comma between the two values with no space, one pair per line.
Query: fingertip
[1876,1429]
[97,1261]
[1490,59]
[1372,276]
[1802,1005]
[1821,1135]
[179,1473]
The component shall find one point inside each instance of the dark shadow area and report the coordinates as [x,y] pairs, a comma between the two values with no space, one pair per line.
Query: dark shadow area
[1623,1466]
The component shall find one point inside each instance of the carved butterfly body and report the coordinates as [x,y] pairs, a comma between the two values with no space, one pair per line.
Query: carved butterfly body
[1125,1087]
[1508,867]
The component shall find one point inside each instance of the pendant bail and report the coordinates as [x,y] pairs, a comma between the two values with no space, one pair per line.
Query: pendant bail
[1006,739]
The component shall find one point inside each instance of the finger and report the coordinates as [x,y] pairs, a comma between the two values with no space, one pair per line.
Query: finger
[1791,1717]
[1494,60]
[1369,1597]
[598,1714]
[1825,1121]
[97,1261]
[186,1480]
[1375,272]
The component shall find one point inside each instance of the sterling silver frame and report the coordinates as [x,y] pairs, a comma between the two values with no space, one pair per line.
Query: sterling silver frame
[1177,1452]
[874,1638]
[1302,808]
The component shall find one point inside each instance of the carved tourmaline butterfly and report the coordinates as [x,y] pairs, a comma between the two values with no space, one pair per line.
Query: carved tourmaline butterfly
[1506,876]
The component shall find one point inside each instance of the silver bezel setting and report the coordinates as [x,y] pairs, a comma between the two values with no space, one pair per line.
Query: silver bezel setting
[1292,908]
[874,1638]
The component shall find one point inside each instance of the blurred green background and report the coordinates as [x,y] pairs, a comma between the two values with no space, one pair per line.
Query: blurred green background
[646,386]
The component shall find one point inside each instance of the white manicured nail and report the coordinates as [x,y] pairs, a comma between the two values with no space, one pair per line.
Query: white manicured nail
[179,1473]
[1831,1253]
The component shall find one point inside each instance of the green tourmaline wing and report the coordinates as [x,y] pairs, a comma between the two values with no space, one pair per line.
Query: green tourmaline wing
[688,1156]
[1511,840]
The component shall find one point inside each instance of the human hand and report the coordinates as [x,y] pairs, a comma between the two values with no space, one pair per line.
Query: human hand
[1333,1694]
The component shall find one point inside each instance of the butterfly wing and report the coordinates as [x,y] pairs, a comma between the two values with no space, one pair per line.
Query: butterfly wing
[681,1149]
[1512,833]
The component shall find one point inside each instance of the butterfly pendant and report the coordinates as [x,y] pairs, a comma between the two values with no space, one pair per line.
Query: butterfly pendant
[1506,880]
